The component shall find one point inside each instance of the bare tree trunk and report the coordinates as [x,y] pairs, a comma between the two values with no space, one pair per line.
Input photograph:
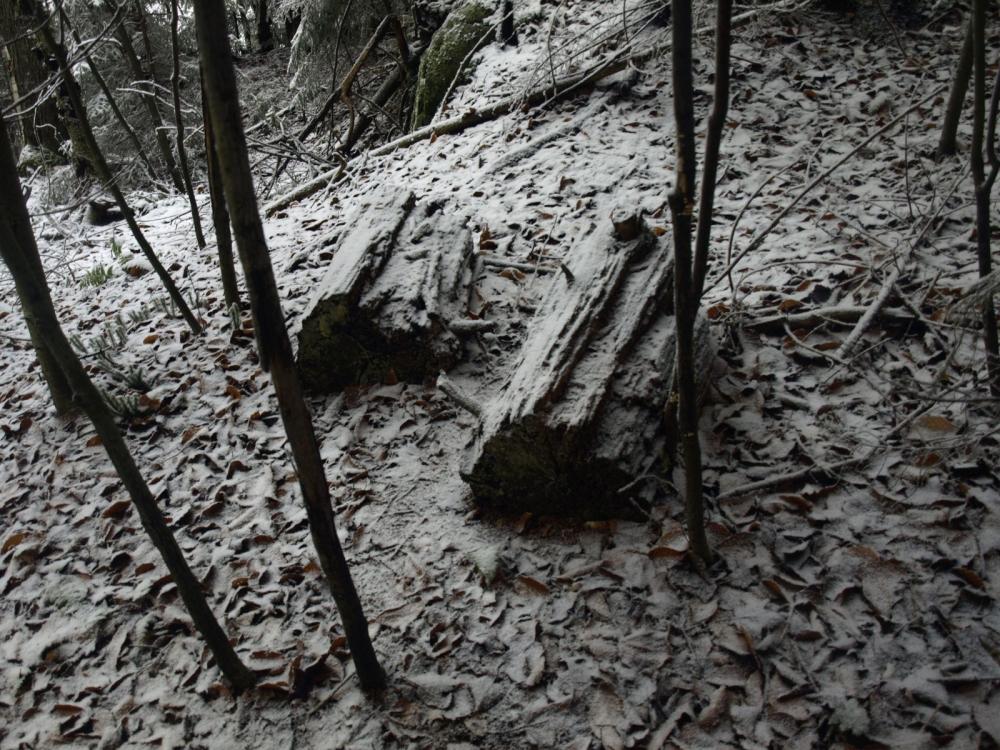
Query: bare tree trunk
[220,214]
[38,120]
[272,336]
[19,225]
[175,86]
[149,100]
[109,96]
[265,30]
[682,200]
[18,249]
[713,141]
[984,186]
[956,97]
[508,29]
[99,163]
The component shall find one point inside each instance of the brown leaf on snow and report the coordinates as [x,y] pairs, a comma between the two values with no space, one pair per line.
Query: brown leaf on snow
[937,423]
[534,584]
[67,709]
[234,467]
[13,540]
[971,577]
[117,509]
[716,708]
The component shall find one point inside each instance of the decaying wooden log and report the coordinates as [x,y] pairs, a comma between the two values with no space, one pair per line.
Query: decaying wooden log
[385,308]
[582,415]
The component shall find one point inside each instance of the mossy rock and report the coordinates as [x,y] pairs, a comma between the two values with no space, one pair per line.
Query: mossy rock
[462,31]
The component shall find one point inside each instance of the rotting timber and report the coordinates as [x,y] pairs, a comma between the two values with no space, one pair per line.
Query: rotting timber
[581,423]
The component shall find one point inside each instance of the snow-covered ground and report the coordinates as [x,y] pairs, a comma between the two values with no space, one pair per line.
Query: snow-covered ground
[856,610]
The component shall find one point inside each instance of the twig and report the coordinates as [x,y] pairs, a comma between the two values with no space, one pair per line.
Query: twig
[823,176]
[890,282]
[460,397]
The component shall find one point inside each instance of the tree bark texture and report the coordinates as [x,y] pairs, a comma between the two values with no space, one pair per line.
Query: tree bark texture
[947,145]
[220,213]
[39,122]
[175,88]
[682,199]
[391,297]
[272,336]
[580,422]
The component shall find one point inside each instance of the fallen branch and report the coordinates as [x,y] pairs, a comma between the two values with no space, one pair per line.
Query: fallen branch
[892,280]
[544,95]
[820,178]
[819,471]
[813,318]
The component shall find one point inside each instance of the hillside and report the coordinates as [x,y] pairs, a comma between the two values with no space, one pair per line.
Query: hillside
[853,501]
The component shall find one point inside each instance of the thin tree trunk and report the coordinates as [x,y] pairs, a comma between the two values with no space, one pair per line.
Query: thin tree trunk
[175,86]
[272,336]
[220,214]
[265,31]
[17,221]
[956,97]
[149,100]
[18,251]
[983,187]
[109,96]
[682,200]
[713,141]
[38,120]
[100,164]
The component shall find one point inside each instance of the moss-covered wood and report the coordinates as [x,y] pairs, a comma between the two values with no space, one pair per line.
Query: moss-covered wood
[384,308]
[581,418]
[464,29]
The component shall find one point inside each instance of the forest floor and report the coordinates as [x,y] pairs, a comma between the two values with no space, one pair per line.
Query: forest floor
[851,608]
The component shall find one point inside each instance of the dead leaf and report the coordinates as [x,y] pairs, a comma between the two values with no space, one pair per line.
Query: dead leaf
[971,577]
[938,423]
[234,467]
[534,584]
[13,540]
[117,509]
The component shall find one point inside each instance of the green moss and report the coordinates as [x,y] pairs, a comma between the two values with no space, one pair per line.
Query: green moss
[461,32]
[528,468]
[338,347]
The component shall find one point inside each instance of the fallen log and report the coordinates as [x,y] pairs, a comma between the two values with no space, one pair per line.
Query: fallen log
[581,418]
[391,297]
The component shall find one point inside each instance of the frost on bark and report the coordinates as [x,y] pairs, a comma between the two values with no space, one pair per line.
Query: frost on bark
[581,418]
[396,287]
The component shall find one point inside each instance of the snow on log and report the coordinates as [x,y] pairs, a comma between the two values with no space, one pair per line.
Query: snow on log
[397,281]
[581,418]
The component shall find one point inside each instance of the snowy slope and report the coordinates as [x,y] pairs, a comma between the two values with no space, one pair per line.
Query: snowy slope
[860,608]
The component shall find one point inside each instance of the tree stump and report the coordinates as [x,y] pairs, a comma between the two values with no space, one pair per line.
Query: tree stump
[581,420]
[395,289]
